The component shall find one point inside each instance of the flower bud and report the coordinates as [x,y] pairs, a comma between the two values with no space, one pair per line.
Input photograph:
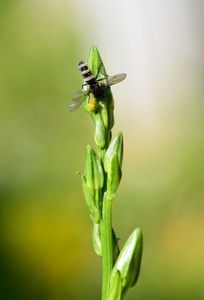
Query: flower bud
[93,171]
[96,239]
[108,103]
[112,164]
[95,63]
[92,182]
[94,211]
[104,114]
[105,100]
[114,150]
[100,131]
[129,260]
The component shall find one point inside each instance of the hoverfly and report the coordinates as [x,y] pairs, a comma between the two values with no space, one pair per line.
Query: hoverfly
[95,87]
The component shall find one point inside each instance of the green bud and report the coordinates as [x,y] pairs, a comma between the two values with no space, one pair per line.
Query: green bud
[96,239]
[97,67]
[92,183]
[102,108]
[114,150]
[129,260]
[112,164]
[93,171]
[95,213]
[104,114]
[114,177]
[100,131]
[109,104]
[115,289]
[95,63]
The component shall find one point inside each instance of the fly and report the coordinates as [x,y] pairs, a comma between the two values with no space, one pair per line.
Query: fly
[95,86]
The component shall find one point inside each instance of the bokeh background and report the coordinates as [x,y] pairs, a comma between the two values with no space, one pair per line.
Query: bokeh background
[45,230]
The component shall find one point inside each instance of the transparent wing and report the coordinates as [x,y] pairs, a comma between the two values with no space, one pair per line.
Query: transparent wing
[77,100]
[115,79]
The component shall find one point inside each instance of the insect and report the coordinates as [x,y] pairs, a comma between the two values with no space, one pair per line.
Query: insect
[95,86]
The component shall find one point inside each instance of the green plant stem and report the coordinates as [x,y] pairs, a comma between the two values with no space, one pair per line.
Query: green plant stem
[107,247]
[100,182]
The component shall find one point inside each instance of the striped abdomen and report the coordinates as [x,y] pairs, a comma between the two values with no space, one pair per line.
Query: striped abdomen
[89,78]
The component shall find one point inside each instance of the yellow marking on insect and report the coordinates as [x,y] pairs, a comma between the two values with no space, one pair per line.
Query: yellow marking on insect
[92,104]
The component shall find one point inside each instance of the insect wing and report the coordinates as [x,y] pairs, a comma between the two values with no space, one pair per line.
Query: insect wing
[111,80]
[77,100]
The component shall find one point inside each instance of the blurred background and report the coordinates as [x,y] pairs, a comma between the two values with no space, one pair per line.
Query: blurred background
[45,230]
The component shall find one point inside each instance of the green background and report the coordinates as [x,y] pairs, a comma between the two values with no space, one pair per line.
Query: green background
[45,230]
